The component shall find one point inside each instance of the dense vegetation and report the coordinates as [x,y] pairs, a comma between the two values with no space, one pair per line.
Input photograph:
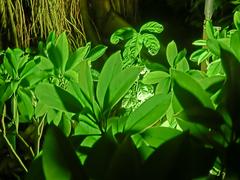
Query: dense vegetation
[133,117]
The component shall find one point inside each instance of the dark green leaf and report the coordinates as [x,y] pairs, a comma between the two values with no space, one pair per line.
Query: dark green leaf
[234,44]
[59,159]
[236,19]
[177,155]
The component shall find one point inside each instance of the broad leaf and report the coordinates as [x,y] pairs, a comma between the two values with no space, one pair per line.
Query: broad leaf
[59,159]
[148,113]
[111,68]
[122,34]
[96,52]
[151,43]
[57,98]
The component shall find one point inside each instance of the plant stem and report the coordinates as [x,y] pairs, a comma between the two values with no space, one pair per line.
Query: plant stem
[8,142]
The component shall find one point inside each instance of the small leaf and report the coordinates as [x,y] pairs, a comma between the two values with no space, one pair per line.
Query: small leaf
[59,159]
[148,113]
[155,77]
[111,68]
[215,68]
[163,86]
[121,83]
[213,46]
[57,98]
[122,34]
[96,52]
[171,53]
[152,27]
[151,43]
[200,42]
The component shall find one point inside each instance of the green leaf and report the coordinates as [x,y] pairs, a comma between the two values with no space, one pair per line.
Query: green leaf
[121,83]
[65,125]
[96,52]
[148,113]
[152,27]
[171,53]
[156,136]
[183,65]
[200,55]
[122,34]
[79,55]
[29,68]
[85,80]
[151,43]
[236,19]
[62,50]
[189,92]
[59,159]
[155,77]
[171,159]
[57,98]
[111,68]
[200,42]
[213,46]
[55,57]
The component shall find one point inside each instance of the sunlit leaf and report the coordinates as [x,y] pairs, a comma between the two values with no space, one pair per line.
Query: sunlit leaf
[148,113]
[152,26]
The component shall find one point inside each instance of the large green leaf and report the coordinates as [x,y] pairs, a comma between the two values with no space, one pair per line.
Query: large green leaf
[111,68]
[172,159]
[148,113]
[189,91]
[57,98]
[59,159]
[121,83]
